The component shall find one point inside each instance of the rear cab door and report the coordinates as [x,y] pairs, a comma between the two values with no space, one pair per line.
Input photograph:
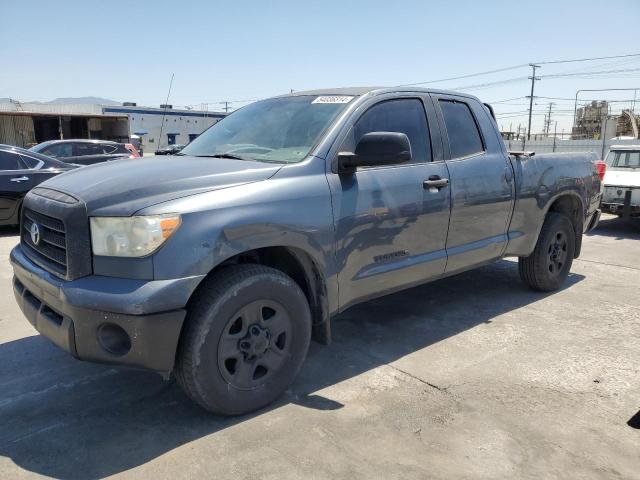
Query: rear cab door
[481,182]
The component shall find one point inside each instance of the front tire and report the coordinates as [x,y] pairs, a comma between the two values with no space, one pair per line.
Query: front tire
[246,336]
[548,266]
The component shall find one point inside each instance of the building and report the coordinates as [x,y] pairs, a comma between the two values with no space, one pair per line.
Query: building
[159,127]
[26,124]
[589,120]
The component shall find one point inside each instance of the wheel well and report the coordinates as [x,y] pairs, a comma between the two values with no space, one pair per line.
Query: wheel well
[571,207]
[298,265]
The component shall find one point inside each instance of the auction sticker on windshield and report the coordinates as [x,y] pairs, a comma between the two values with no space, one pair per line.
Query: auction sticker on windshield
[333,99]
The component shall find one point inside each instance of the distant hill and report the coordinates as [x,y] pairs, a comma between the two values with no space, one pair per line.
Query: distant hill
[93,100]
[71,100]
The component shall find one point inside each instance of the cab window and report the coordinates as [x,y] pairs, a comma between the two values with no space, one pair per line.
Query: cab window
[404,116]
[462,130]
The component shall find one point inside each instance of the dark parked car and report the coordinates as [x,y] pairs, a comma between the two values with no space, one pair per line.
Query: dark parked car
[83,152]
[170,150]
[222,263]
[20,171]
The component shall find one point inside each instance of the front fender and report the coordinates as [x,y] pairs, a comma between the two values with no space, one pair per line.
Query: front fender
[292,209]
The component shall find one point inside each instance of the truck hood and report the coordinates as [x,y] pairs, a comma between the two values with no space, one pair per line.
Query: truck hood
[122,187]
[622,177]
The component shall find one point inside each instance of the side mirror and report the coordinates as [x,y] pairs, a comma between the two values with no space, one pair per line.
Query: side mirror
[375,149]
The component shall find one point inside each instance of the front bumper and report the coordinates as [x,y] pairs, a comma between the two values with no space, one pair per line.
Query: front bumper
[621,200]
[619,209]
[85,316]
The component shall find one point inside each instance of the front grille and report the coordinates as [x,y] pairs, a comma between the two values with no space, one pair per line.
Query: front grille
[51,251]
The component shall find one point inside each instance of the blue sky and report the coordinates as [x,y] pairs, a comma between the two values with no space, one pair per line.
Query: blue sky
[240,50]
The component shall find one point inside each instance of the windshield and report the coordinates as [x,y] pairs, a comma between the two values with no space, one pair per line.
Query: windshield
[280,129]
[623,159]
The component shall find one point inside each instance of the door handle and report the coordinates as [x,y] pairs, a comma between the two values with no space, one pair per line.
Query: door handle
[435,181]
[20,179]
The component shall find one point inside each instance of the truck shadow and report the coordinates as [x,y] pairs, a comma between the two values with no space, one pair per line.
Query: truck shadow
[611,226]
[70,420]
[9,231]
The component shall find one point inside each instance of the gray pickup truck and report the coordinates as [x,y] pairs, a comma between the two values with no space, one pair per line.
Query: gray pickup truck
[221,263]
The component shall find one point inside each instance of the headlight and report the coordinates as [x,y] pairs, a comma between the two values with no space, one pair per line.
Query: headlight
[131,236]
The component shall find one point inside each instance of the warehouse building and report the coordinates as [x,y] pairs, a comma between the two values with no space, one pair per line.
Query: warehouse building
[26,124]
[159,127]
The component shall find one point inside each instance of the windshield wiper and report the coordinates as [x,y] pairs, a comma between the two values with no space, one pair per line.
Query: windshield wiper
[226,155]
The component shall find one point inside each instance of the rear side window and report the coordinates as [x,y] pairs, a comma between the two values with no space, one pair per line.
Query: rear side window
[623,159]
[29,162]
[404,116]
[59,150]
[83,149]
[9,161]
[118,149]
[464,137]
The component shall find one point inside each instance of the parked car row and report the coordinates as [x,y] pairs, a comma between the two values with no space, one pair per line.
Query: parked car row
[20,171]
[86,152]
[170,149]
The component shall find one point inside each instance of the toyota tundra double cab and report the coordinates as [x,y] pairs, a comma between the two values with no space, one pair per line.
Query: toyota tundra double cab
[219,264]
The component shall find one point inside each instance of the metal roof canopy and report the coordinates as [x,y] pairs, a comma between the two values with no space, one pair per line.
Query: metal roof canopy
[55,115]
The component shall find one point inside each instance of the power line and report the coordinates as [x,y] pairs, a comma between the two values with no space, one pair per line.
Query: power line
[508,100]
[589,59]
[478,74]
[515,67]
[601,72]
[490,84]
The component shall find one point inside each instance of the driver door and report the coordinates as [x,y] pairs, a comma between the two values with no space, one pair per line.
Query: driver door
[390,231]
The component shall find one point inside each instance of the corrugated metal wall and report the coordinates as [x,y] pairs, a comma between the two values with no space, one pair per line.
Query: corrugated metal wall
[17,130]
[548,145]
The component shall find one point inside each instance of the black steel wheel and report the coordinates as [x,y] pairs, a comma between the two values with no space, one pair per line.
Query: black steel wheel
[557,253]
[548,266]
[255,344]
[245,338]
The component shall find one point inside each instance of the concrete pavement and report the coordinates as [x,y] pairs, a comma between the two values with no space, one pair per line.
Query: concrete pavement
[469,377]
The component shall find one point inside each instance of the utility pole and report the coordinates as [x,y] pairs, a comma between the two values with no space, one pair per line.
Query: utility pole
[547,120]
[533,82]
[226,106]
[164,112]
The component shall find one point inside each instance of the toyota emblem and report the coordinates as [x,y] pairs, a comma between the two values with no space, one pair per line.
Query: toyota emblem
[35,233]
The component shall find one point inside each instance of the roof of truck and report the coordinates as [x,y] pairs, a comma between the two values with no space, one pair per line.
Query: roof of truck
[625,147]
[358,91]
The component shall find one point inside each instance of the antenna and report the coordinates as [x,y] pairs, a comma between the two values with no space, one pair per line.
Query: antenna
[166,104]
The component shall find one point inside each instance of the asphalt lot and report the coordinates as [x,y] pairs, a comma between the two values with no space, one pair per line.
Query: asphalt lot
[469,377]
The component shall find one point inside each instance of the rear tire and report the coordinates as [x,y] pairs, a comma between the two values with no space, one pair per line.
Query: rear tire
[245,339]
[547,267]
